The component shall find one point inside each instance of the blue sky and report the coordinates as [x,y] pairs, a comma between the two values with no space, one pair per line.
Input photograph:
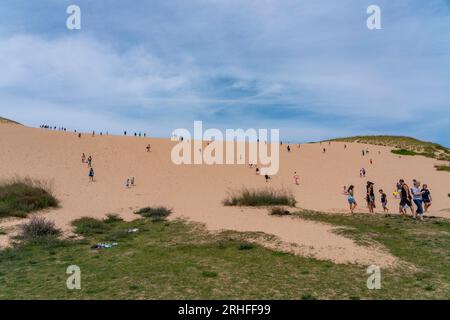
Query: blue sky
[310,68]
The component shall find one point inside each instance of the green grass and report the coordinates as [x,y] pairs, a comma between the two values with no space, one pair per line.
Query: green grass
[404,145]
[90,226]
[177,260]
[442,168]
[424,245]
[260,197]
[22,196]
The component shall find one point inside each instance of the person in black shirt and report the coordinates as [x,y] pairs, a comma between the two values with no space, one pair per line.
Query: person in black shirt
[426,197]
[370,196]
[383,200]
[405,198]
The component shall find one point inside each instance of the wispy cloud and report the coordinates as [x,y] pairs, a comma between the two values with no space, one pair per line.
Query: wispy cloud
[310,68]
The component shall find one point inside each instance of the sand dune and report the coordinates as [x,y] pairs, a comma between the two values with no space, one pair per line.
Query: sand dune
[196,191]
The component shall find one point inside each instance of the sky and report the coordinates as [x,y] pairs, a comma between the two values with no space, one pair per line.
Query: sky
[310,68]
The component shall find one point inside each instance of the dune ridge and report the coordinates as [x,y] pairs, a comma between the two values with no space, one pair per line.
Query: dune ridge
[196,192]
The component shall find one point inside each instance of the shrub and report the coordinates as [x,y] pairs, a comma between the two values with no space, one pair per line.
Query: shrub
[442,168]
[39,227]
[246,246]
[156,214]
[89,226]
[112,218]
[278,211]
[19,197]
[260,197]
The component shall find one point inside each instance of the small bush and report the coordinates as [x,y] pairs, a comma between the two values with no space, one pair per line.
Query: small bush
[112,218]
[89,226]
[246,246]
[156,214]
[39,227]
[278,211]
[442,168]
[260,197]
[19,197]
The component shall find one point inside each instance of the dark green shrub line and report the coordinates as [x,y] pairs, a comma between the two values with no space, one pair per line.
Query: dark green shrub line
[260,197]
[405,152]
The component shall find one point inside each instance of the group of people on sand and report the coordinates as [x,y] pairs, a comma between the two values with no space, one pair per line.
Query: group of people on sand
[136,134]
[88,161]
[419,195]
[130,182]
[46,126]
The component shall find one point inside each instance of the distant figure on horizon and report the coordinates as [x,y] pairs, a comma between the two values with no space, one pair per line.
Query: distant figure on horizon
[149,148]
[288,148]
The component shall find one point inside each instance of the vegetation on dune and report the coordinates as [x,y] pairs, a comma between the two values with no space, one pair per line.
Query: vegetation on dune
[404,145]
[4,120]
[260,197]
[178,260]
[38,227]
[19,197]
[442,168]
[157,213]
[279,211]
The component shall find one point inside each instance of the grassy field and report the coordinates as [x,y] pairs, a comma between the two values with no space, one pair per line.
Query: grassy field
[177,260]
[19,197]
[404,145]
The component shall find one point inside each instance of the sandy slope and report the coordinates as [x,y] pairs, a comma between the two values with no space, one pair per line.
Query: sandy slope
[196,192]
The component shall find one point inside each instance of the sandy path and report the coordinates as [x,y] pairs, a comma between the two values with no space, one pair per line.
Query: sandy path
[196,192]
